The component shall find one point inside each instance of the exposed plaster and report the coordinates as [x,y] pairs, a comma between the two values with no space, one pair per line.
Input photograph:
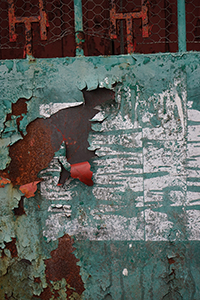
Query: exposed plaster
[46,110]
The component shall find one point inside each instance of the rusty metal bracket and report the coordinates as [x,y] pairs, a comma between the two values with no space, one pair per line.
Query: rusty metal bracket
[41,18]
[129,23]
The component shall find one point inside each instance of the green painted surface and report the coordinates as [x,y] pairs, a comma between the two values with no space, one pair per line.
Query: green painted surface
[78,16]
[136,230]
[150,274]
[181,26]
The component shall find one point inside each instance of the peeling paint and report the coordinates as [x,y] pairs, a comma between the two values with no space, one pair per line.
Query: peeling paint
[135,231]
[44,138]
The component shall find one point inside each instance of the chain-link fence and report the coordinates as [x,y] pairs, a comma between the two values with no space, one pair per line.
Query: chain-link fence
[193,25]
[110,27]
[161,17]
[60,38]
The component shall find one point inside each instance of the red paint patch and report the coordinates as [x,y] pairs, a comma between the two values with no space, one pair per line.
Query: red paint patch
[63,264]
[82,172]
[27,161]
[4,181]
[29,189]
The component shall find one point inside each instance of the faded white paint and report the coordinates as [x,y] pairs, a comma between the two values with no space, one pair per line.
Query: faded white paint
[46,110]
[125,272]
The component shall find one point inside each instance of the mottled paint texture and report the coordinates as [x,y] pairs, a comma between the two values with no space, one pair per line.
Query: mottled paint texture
[136,230]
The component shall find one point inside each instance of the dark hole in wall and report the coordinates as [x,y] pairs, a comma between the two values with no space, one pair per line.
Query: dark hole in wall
[44,136]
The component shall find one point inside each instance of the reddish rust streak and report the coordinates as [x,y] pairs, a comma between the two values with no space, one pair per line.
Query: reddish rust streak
[63,264]
[56,295]
[26,160]
[80,40]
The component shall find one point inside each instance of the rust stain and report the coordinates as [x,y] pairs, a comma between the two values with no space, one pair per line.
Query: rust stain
[30,155]
[44,136]
[41,18]
[63,264]
[18,108]
[80,39]
[128,17]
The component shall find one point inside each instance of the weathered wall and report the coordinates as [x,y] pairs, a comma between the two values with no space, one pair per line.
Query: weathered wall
[135,233]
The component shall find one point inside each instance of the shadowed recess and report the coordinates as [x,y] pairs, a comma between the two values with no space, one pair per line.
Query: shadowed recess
[44,136]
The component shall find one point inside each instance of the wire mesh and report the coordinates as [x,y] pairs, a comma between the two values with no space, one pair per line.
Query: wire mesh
[60,29]
[193,24]
[161,20]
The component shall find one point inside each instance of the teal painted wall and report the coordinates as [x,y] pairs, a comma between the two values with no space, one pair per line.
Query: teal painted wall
[136,231]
